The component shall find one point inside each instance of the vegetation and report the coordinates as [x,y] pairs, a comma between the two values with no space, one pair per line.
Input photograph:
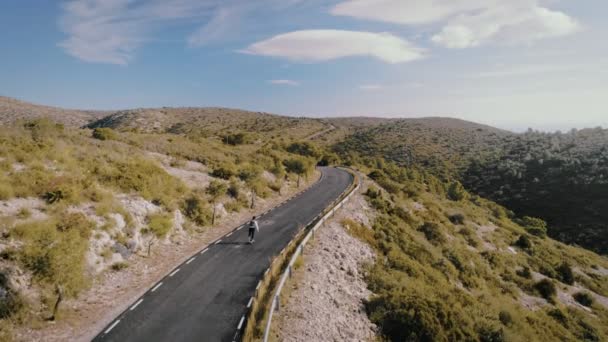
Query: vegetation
[441,277]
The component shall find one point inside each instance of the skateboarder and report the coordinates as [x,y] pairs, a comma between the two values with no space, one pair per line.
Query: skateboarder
[253,227]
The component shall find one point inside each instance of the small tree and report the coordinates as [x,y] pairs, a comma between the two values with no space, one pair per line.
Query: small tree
[104,134]
[535,226]
[456,192]
[299,166]
[215,190]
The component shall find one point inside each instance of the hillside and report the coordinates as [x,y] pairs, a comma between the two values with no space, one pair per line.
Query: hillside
[442,145]
[560,177]
[208,121]
[12,110]
[77,204]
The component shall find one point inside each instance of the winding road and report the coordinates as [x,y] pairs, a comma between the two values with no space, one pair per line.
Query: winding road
[206,298]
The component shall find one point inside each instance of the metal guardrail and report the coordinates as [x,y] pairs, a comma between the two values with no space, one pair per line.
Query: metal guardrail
[275,306]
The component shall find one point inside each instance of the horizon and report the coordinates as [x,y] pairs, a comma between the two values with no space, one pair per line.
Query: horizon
[518,65]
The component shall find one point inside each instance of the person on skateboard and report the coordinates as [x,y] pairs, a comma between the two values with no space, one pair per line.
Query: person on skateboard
[253,227]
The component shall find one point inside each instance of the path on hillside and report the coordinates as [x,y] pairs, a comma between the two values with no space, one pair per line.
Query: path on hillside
[323,132]
[205,298]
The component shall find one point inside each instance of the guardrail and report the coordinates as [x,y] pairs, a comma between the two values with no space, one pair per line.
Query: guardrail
[275,306]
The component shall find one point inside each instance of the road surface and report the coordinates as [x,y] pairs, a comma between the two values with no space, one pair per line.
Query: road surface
[206,298]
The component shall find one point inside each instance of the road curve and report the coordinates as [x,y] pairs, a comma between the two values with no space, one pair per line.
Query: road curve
[205,298]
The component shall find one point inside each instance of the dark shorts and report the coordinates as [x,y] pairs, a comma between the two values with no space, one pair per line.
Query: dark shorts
[251,232]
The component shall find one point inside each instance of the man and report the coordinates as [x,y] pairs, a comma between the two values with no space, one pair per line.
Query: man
[253,227]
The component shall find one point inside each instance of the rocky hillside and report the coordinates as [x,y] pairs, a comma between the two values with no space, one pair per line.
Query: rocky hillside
[76,204]
[207,121]
[12,110]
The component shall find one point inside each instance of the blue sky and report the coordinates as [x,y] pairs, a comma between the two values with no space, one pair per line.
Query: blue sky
[513,64]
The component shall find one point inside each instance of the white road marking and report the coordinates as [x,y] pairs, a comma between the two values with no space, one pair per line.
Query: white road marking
[266,272]
[259,283]
[239,228]
[204,250]
[112,327]
[136,304]
[250,302]
[241,323]
[191,260]
[156,287]
[173,273]
[228,235]
[218,241]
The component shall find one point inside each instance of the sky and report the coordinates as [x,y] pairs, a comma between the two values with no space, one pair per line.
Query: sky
[513,64]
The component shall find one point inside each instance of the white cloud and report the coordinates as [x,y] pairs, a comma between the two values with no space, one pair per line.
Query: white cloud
[324,45]
[370,87]
[109,31]
[468,23]
[285,82]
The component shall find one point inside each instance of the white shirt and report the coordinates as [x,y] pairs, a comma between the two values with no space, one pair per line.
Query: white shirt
[254,223]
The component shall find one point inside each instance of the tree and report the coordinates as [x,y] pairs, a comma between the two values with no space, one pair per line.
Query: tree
[456,192]
[215,190]
[299,166]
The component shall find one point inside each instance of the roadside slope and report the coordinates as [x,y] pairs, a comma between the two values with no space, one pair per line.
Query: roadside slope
[208,296]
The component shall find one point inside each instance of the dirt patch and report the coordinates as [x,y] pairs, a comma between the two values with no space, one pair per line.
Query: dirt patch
[326,301]
[112,292]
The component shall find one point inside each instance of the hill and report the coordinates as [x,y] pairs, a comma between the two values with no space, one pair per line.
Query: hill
[12,110]
[207,121]
[443,145]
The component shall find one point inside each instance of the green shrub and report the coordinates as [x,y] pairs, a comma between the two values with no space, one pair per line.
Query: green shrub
[234,190]
[457,219]
[197,210]
[160,224]
[305,149]
[250,173]
[6,191]
[236,139]
[505,318]
[412,316]
[535,226]
[104,134]
[583,298]
[433,233]
[77,222]
[10,302]
[118,266]
[546,288]
[456,192]
[56,258]
[224,172]
[524,273]
[523,242]
[565,274]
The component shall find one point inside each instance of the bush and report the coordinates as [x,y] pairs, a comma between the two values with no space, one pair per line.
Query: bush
[223,172]
[457,219]
[160,224]
[524,273]
[234,190]
[564,272]
[583,298]
[433,233]
[10,301]
[305,149]
[104,134]
[117,266]
[505,318]
[56,258]
[523,242]
[546,288]
[535,226]
[235,139]
[456,192]
[197,210]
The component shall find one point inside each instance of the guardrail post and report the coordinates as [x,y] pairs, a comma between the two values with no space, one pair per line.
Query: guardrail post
[277,302]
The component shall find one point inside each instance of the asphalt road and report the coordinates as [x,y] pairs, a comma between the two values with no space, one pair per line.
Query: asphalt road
[206,298]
